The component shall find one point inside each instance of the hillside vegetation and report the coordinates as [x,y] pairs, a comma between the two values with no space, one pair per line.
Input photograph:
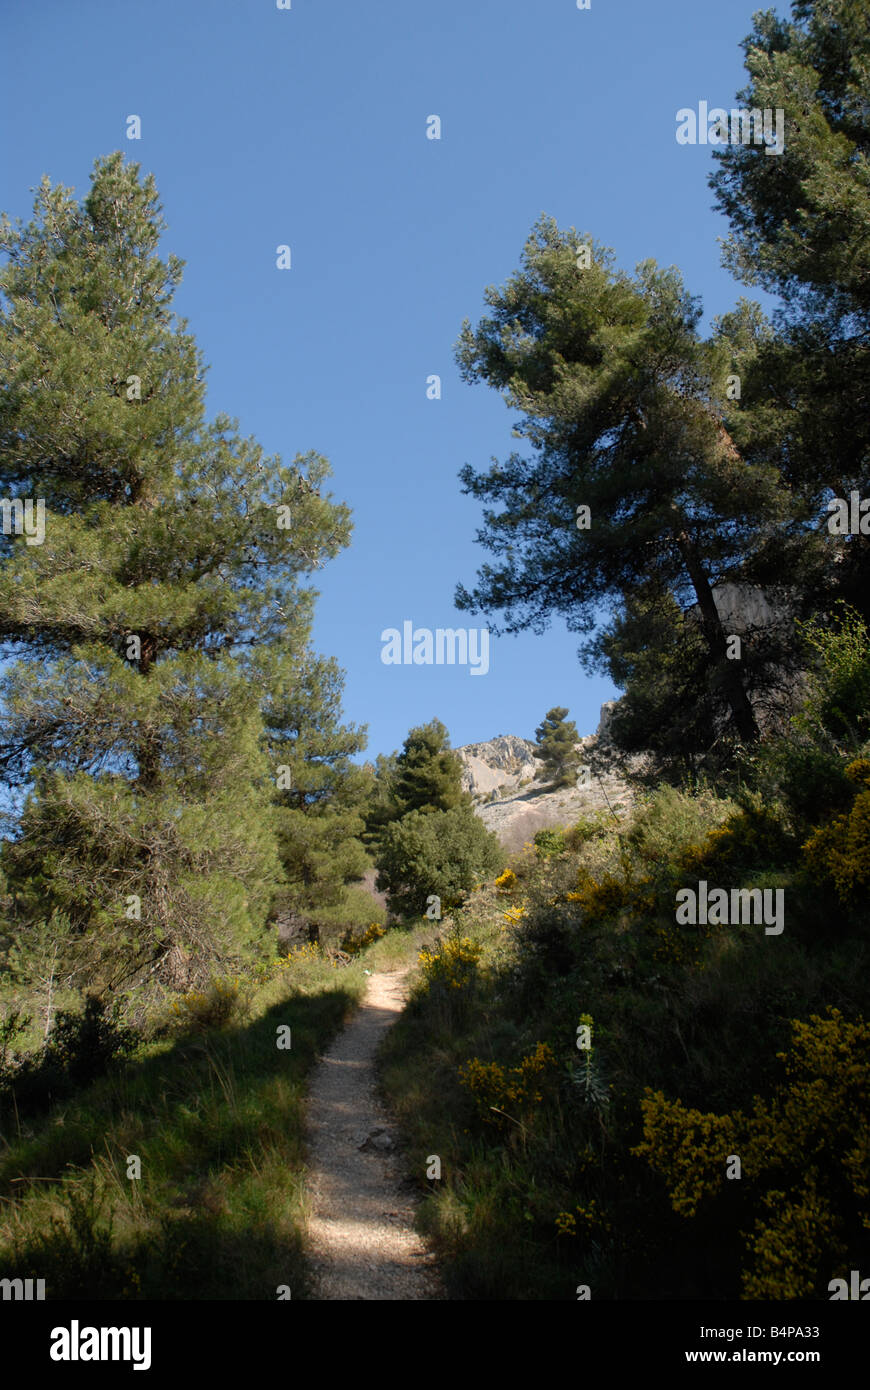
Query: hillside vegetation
[636,1060]
[647,1108]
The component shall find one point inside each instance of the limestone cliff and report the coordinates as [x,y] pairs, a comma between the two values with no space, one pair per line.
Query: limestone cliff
[514,799]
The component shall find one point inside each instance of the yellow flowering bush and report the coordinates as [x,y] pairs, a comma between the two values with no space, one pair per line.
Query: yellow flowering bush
[687,1146]
[213,1007]
[751,836]
[804,1156]
[840,850]
[306,950]
[454,964]
[506,1093]
[353,944]
[787,1241]
[507,882]
[566,1224]
[858,772]
[673,946]
[589,1217]
[514,915]
[598,899]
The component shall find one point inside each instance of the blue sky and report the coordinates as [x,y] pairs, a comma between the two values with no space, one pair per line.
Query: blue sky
[307,127]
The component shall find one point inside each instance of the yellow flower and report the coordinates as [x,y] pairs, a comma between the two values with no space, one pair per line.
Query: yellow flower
[814,1127]
[520,1088]
[515,915]
[454,964]
[506,882]
[565,1224]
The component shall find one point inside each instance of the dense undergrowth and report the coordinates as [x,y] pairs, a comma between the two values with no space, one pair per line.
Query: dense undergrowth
[626,1105]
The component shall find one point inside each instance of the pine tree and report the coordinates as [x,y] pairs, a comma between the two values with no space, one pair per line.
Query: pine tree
[557,737]
[425,776]
[380,808]
[428,772]
[424,834]
[159,610]
[321,796]
[635,476]
[674,711]
[800,225]
[801,219]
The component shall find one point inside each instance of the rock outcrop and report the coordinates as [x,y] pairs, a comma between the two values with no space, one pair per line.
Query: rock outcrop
[513,797]
[499,766]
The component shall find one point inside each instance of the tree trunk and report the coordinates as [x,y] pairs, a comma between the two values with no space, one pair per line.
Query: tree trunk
[729,671]
[147,752]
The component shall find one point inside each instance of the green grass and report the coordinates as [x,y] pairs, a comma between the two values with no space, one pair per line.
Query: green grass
[216,1118]
[401,945]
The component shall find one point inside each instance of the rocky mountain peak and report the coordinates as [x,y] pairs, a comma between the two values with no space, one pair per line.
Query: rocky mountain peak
[512,796]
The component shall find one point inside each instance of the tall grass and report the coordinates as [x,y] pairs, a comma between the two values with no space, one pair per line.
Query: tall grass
[215,1118]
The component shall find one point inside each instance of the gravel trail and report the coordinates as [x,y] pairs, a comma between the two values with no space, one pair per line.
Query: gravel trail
[363,1245]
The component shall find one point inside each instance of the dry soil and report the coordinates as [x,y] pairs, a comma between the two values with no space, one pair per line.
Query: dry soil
[361,1234]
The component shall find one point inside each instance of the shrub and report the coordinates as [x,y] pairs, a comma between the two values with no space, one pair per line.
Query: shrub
[549,843]
[218,1005]
[498,1090]
[507,882]
[840,850]
[14,1023]
[839,700]
[672,820]
[598,900]
[808,781]
[332,921]
[752,838]
[804,1154]
[353,944]
[305,950]
[81,1048]
[444,853]
[453,964]
[85,1045]
[587,828]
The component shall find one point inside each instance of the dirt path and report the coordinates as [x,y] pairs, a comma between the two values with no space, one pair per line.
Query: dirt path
[361,1227]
